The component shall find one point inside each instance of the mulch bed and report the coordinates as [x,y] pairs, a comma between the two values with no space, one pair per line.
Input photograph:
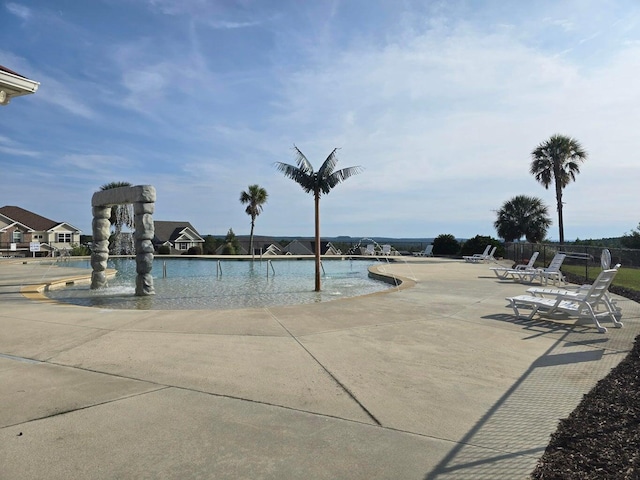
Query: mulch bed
[601,438]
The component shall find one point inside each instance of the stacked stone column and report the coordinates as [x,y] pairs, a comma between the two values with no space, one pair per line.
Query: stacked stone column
[101,227]
[143,236]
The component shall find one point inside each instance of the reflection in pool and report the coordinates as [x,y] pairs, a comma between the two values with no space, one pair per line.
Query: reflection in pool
[196,284]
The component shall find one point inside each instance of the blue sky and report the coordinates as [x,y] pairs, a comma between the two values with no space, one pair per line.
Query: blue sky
[441,102]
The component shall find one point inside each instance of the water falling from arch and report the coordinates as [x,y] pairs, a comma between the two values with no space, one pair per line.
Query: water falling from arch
[143,198]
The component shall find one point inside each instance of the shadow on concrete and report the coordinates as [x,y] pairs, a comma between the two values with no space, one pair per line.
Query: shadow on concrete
[510,437]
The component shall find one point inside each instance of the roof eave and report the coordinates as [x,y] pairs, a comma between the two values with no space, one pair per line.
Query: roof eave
[15,86]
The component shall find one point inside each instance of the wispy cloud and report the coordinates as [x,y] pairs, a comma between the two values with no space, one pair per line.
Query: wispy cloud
[19,10]
[63,96]
[439,102]
[230,25]
[10,147]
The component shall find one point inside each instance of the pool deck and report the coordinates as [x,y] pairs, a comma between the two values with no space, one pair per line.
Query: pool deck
[436,381]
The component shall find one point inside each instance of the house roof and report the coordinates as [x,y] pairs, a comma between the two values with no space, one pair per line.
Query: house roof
[28,219]
[13,84]
[297,247]
[308,247]
[170,231]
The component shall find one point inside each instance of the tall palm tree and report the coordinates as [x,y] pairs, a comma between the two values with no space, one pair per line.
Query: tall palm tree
[557,160]
[523,216]
[255,197]
[316,183]
[121,215]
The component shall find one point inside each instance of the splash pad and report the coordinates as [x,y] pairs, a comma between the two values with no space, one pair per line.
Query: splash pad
[199,284]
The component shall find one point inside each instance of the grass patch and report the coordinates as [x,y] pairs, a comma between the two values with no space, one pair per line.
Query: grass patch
[626,277]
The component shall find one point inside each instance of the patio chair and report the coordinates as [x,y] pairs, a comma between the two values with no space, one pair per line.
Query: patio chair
[577,291]
[477,256]
[370,250]
[605,259]
[386,250]
[551,273]
[505,272]
[583,305]
[484,258]
[427,252]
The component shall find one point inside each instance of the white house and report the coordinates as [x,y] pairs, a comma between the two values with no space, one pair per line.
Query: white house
[20,229]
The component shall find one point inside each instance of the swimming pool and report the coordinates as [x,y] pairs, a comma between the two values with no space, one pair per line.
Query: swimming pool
[204,284]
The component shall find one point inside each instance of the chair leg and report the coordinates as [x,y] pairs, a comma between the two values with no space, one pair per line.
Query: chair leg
[594,317]
[514,306]
[517,312]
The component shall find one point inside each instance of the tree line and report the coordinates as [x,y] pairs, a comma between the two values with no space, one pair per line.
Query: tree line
[554,163]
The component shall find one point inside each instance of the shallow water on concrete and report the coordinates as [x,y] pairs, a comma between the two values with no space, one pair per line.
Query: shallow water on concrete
[192,284]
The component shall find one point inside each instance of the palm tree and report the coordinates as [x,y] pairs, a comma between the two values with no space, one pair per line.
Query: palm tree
[317,183]
[254,197]
[121,215]
[557,160]
[523,216]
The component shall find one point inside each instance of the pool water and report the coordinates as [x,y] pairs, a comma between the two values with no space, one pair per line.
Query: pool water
[199,284]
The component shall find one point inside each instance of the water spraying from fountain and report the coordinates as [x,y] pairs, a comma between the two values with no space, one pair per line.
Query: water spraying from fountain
[123,243]
[358,249]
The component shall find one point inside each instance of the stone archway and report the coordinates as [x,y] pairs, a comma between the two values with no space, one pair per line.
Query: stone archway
[143,198]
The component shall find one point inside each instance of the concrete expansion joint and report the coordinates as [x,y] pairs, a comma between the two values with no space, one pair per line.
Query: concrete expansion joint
[327,371]
[19,359]
[85,407]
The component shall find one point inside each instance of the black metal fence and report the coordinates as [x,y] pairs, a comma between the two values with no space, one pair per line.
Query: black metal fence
[581,255]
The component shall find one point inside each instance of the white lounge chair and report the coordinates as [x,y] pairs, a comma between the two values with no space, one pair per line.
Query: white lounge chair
[605,259]
[386,250]
[484,258]
[490,257]
[370,250]
[505,272]
[477,256]
[427,252]
[576,292]
[551,273]
[583,305]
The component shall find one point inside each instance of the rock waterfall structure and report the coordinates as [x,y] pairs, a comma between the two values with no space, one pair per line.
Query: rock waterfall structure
[143,198]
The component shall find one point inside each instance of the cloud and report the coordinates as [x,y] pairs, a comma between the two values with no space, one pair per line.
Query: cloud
[65,95]
[10,147]
[229,25]
[441,105]
[19,10]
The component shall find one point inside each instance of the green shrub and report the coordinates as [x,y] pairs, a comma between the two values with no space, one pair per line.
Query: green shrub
[231,244]
[478,243]
[79,251]
[164,250]
[197,250]
[210,245]
[229,249]
[445,244]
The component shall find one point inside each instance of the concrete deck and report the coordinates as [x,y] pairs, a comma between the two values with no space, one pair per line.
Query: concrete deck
[437,381]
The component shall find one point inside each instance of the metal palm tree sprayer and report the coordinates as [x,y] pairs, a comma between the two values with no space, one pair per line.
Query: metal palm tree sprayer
[316,183]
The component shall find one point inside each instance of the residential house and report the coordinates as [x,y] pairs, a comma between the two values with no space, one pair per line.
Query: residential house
[308,247]
[297,247]
[261,245]
[179,236]
[23,233]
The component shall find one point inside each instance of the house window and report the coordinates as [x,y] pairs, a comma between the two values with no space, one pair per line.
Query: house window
[17,236]
[183,246]
[63,237]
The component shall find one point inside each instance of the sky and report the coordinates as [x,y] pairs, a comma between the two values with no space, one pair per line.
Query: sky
[440,102]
